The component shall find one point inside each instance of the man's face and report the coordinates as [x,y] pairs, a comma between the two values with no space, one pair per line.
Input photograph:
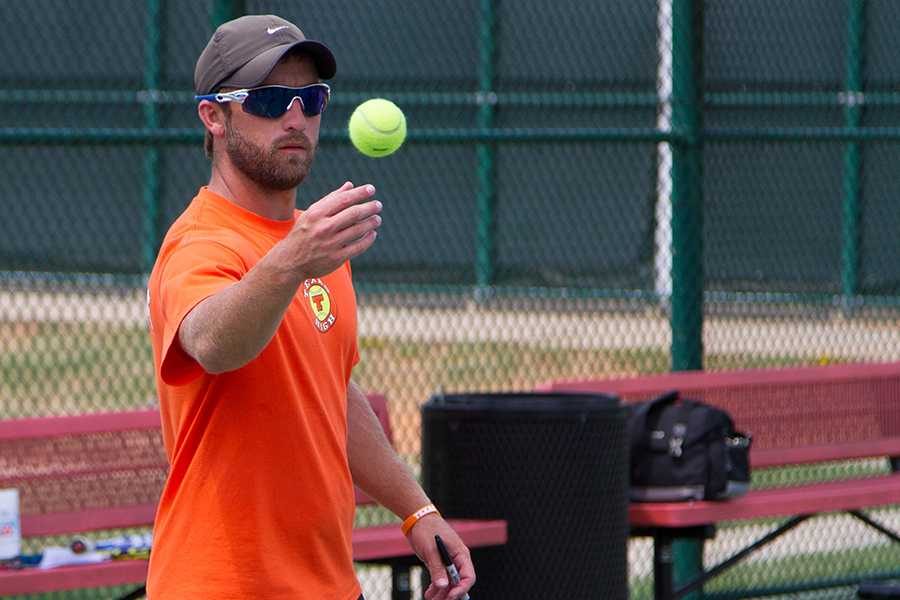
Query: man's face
[276,154]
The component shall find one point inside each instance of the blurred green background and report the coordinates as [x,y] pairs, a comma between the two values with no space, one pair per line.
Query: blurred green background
[588,189]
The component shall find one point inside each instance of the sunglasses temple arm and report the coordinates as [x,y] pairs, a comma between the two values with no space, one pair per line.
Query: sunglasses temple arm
[237,96]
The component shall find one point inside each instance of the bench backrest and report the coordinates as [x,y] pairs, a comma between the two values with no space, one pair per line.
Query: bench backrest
[795,415]
[97,471]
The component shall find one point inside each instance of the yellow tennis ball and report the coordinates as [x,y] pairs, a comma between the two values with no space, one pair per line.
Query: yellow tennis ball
[377,127]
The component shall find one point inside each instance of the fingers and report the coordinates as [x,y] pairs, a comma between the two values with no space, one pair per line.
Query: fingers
[345,208]
[323,204]
[433,593]
[358,230]
[356,214]
[440,583]
[359,237]
[462,558]
[422,538]
[462,561]
[339,227]
[341,199]
[359,246]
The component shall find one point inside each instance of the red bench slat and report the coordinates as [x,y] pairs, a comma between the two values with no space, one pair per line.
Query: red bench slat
[798,500]
[795,415]
[387,541]
[43,427]
[774,457]
[88,520]
[115,572]
[699,381]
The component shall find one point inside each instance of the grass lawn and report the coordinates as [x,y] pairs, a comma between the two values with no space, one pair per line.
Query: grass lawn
[54,367]
[69,368]
[788,572]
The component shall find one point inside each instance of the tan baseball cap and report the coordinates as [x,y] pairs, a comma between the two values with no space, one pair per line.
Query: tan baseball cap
[241,53]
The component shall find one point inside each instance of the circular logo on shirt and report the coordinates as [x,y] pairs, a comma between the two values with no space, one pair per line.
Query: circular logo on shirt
[320,303]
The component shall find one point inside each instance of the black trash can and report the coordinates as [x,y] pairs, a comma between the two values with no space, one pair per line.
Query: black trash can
[555,466]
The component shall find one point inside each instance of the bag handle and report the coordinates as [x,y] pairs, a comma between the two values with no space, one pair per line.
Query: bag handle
[642,414]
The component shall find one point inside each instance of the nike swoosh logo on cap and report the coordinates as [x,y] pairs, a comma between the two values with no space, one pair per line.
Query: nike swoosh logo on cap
[271,30]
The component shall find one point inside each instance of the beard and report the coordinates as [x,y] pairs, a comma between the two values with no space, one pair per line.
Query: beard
[269,167]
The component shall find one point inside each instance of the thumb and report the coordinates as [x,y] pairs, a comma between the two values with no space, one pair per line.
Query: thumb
[438,574]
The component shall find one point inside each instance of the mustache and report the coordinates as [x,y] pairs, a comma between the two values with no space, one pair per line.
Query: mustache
[294,140]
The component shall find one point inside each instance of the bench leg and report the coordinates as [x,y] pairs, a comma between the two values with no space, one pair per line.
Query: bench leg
[676,557]
[687,562]
[875,525]
[134,595]
[662,566]
[401,585]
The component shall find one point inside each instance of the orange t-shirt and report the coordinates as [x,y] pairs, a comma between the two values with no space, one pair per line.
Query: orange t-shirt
[259,500]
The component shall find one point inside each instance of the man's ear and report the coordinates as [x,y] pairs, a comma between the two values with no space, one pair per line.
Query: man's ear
[213,117]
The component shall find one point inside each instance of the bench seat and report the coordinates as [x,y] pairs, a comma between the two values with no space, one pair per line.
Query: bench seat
[806,499]
[378,544]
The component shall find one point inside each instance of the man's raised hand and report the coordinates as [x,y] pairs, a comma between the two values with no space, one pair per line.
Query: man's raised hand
[340,226]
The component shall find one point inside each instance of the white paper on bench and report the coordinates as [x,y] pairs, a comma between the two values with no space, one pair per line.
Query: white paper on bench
[59,556]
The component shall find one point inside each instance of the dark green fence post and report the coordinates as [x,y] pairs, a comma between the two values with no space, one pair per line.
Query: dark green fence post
[222,10]
[152,70]
[853,101]
[687,221]
[484,204]
[687,186]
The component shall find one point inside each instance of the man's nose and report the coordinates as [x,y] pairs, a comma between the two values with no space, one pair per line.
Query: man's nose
[294,117]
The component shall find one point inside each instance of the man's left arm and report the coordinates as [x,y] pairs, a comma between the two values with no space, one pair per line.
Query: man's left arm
[380,472]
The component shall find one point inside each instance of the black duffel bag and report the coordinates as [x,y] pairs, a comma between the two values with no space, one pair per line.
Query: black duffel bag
[686,450]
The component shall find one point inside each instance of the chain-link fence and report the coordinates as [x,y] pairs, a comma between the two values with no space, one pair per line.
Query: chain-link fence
[588,189]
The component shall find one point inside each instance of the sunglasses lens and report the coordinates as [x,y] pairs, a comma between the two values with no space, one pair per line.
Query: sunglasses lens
[267,102]
[314,100]
[272,102]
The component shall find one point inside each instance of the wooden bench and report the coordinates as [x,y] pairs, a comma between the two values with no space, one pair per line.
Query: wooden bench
[797,416]
[84,473]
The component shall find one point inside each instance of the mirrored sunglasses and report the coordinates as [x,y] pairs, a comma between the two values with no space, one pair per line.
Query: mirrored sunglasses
[272,101]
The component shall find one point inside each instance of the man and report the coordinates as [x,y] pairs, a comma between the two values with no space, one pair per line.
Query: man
[253,325]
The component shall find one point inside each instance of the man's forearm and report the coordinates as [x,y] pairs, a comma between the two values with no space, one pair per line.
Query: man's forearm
[375,466]
[230,328]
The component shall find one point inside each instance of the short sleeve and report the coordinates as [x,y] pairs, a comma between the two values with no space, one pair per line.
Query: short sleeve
[354,356]
[193,272]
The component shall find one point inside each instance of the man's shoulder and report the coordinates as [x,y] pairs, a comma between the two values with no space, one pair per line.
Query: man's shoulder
[192,238]
[199,224]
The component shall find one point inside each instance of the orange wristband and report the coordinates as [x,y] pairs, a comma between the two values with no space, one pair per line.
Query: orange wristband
[414,518]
